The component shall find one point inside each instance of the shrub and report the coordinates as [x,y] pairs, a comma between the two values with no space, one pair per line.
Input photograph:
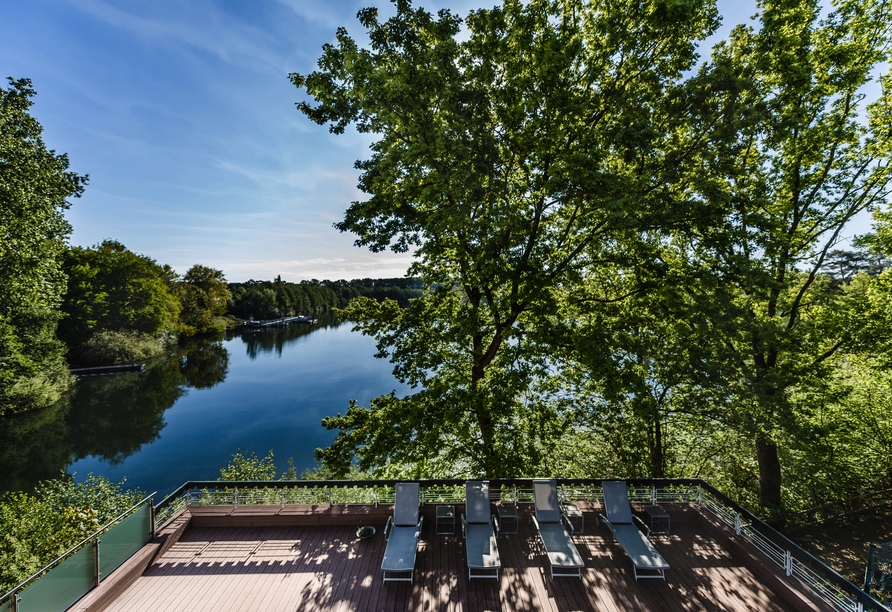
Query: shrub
[117,347]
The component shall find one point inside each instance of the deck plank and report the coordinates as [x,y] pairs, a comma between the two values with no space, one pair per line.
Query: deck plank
[327,568]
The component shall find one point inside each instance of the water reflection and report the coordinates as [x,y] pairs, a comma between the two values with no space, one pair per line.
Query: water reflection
[108,417]
[273,340]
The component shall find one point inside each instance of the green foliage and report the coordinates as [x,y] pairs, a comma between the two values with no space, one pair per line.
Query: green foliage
[34,187]
[323,472]
[511,158]
[251,467]
[37,528]
[109,347]
[203,297]
[274,299]
[113,289]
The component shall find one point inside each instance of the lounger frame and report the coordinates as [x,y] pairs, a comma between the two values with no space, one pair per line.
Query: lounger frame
[402,530]
[627,530]
[480,530]
[563,557]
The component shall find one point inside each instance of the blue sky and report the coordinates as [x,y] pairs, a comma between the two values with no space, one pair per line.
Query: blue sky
[182,114]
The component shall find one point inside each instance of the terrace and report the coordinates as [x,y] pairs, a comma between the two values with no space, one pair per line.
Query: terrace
[293,546]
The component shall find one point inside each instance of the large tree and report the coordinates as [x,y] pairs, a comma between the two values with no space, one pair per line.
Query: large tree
[204,296]
[795,156]
[112,289]
[35,185]
[512,157]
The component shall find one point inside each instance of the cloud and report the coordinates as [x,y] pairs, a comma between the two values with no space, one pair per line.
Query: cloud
[226,41]
[330,15]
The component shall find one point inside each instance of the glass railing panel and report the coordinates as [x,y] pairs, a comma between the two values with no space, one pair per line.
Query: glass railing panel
[63,585]
[120,542]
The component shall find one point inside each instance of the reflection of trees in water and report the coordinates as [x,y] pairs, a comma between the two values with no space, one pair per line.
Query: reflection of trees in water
[275,338]
[204,365]
[110,417]
[33,447]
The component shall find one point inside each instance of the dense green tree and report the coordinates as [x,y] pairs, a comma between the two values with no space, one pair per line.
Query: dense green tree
[793,160]
[204,296]
[112,289]
[513,156]
[35,184]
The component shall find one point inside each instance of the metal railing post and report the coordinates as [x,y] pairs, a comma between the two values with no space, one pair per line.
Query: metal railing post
[235,497]
[15,602]
[699,495]
[868,574]
[96,560]
[152,516]
[788,563]
[282,495]
[737,523]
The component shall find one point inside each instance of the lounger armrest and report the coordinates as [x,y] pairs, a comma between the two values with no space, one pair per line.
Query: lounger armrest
[642,524]
[386,526]
[606,521]
[494,521]
[464,526]
[565,520]
[534,521]
[418,527]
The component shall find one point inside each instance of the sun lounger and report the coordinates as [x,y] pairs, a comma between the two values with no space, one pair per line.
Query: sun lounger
[645,558]
[563,557]
[405,529]
[480,529]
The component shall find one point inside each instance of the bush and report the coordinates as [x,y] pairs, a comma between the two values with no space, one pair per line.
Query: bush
[117,347]
[36,528]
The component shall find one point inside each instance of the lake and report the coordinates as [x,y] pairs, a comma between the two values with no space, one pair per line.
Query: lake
[187,413]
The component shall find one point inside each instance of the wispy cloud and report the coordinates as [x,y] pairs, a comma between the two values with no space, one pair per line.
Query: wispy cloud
[214,34]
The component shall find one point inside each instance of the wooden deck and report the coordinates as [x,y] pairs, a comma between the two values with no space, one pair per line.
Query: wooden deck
[325,567]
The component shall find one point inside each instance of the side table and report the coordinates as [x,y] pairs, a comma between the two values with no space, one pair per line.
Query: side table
[507,514]
[445,517]
[657,517]
[574,515]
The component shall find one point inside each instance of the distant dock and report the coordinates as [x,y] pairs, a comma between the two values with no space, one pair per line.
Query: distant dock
[283,322]
[115,369]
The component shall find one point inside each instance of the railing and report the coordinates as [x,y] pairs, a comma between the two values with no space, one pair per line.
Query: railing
[836,591]
[81,568]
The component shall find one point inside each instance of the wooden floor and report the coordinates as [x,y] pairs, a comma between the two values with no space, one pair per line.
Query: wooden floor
[327,568]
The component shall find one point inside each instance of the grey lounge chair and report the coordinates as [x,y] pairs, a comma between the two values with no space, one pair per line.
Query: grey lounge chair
[622,523]
[565,560]
[480,529]
[405,529]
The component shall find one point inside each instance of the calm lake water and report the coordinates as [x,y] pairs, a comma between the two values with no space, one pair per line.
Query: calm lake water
[186,414]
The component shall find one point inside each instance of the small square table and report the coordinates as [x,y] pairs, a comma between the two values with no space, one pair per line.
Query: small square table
[657,515]
[507,514]
[445,517]
[574,515]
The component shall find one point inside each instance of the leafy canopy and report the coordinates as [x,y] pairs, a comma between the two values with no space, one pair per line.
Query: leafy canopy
[35,185]
[512,158]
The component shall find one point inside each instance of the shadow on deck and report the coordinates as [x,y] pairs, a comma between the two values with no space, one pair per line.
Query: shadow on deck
[264,559]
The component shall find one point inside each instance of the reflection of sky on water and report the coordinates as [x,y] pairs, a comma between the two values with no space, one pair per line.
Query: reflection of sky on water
[279,386]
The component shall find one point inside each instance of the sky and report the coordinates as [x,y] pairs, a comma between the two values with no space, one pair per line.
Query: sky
[182,114]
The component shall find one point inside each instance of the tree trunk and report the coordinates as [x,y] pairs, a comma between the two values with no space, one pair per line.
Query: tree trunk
[769,474]
[655,444]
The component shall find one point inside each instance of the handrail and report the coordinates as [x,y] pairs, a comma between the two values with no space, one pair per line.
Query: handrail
[794,549]
[76,547]
[835,590]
